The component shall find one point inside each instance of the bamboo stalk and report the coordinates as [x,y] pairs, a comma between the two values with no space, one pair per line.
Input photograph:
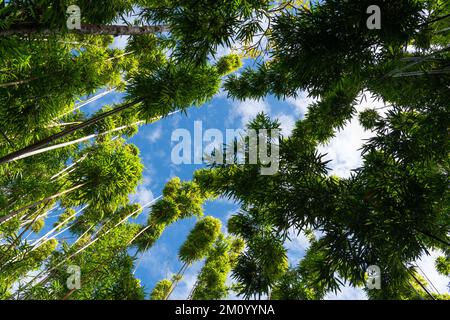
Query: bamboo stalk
[42,143]
[69,143]
[8,217]
[49,272]
[111,257]
[68,168]
[86,102]
[89,29]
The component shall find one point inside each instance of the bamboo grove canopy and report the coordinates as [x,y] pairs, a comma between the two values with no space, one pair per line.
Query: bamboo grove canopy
[63,165]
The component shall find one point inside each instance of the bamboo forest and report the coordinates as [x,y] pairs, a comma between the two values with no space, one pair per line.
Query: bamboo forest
[120,178]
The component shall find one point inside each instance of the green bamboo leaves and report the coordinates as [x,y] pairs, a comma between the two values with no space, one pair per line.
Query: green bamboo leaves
[161,290]
[47,86]
[200,27]
[443,265]
[57,162]
[65,218]
[173,87]
[197,246]
[228,64]
[200,240]
[211,281]
[110,173]
[180,200]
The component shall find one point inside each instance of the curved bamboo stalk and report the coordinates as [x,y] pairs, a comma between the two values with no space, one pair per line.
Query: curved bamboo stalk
[49,272]
[69,143]
[109,258]
[36,244]
[177,278]
[89,29]
[8,217]
[65,144]
[42,143]
[86,102]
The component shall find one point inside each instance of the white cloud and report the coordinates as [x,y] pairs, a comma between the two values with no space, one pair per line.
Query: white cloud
[344,149]
[174,171]
[347,293]
[120,42]
[248,109]
[143,193]
[222,51]
[296,246]
[287,123]
[156,261]
[300,103]
[155,134]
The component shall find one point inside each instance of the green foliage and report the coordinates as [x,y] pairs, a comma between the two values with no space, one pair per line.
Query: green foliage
[391,210]
[212,278]
[228,64]
[369,119]
[292,287]
[200,240]
[260,266]
[105,266]
[407,285]
[111,172]
[134,209]
[200,27]
[161,290]
[43,251]
[181,200]
[186,198]
[173,87]
[149,237]
[48,14]
[443,265]
[42,87]
[64,218]
[148,51]
[39,82]
[315,49]
[38,225]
